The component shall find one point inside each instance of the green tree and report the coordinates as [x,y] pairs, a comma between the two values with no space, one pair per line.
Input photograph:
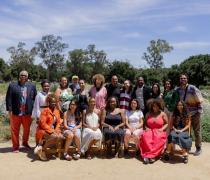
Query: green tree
[79,64]
[4,70]
[50,49]
[197,68]
[154,54]
[123,70]
[20,58]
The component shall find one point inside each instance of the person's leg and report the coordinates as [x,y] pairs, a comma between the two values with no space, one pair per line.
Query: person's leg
[15,123]
[196,124]
[26,122]
[77,140]
[127,138]
[69,138]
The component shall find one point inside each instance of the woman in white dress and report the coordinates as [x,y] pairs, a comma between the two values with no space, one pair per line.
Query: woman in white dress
[134,123]
[40,100]
[91,132]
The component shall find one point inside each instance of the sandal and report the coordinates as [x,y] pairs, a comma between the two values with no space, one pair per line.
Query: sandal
[67,157]
[76,156]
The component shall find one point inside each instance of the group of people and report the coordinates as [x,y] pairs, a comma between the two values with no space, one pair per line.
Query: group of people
[112,114]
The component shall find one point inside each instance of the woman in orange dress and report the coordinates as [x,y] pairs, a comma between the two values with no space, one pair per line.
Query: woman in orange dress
[48,127]
[154,137]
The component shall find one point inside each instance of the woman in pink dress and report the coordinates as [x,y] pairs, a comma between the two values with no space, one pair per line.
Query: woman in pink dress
[154,137]
[98,91]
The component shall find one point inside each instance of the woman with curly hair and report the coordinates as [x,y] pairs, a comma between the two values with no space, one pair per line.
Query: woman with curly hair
[98,91]
[154,137]
[180,131]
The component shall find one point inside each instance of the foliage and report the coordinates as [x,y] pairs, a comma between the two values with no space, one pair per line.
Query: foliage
[20,58]
[154,54]
[124,70]
[197,68]
[50,49]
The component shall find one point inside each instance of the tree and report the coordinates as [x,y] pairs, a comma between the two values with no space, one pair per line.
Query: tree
[79,64]
[197,68]
[20,58]
[97,58]
[50,49]
[4,70]
[123,70]
[154,54]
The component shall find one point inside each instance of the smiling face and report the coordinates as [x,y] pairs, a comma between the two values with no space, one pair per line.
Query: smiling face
[98,83]
[113,103]
[155,108]
[167,85]
[82,84]
[180,106]
[183,80]
[114,80]
[46,87]
[127,84]
[63,82]
[52,103]
[155,89]
[140,81]
[134,105]
[23,77]
[92,103]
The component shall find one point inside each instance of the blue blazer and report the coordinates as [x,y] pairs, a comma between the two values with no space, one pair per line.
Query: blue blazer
[13,98]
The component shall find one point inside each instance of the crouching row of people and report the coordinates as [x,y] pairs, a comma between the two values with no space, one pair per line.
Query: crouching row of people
[150,135]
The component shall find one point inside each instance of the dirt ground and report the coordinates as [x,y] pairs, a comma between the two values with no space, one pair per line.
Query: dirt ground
[25,166]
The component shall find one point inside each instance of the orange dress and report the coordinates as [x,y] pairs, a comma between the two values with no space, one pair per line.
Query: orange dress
[152,141]
[49,122]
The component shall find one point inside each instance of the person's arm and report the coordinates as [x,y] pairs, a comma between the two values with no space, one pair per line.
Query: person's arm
[65,121]
[187,126]
[127,123]
[58,123]
[80,122]
[122,113]
[43,123]
[36,109]
[84,119]
[165,120]
[140,125]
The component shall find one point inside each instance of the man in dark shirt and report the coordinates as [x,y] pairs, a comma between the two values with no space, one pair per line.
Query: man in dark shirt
[19,103]
[142,93]
[113,88]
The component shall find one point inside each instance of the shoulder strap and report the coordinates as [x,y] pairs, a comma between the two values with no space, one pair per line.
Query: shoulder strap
[185,93]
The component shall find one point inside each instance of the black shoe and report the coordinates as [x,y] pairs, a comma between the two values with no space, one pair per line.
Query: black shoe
[185,159]
[166,157]
[151,160]
[197,152]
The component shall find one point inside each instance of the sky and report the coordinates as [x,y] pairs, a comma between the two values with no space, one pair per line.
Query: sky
[122,28]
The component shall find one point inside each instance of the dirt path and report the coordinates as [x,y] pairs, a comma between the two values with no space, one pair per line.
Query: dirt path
[25,166]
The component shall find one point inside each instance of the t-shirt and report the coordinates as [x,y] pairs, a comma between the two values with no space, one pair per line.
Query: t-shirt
[23,100]
[133,117]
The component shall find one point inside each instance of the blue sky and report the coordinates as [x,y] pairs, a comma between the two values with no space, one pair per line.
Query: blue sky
[122,28]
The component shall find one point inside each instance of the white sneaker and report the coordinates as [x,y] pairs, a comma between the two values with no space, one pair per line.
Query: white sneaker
[37,149]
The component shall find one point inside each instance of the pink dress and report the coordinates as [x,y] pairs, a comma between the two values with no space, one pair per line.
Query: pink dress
[100,97]
[152,142]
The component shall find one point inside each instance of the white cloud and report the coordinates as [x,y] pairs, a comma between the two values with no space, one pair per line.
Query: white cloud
[179,28]
[133,35]
[191,45]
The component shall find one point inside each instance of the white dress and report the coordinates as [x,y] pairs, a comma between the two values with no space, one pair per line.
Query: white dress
[88,135]
[39,103]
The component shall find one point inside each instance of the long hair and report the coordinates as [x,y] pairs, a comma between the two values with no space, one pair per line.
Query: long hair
[177,115]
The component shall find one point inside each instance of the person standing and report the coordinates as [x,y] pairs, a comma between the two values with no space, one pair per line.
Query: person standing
[74,85]
[142,93]
[113,88]
[40,100]
[19,103]
[192,96]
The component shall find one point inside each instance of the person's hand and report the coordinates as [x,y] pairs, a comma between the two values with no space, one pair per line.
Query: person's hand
[133,129]
[74,130]
[147,129]
[94,128]
[111,128]
[178,131]
[116,128]
[160,130]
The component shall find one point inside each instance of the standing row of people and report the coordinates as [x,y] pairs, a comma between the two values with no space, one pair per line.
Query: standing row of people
[134,104]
